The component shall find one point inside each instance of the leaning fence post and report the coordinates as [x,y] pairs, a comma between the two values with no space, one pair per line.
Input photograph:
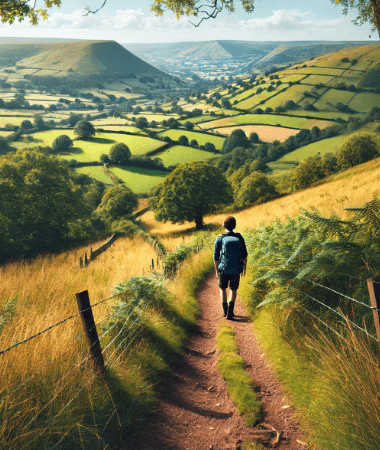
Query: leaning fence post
[89,328]
[374,293]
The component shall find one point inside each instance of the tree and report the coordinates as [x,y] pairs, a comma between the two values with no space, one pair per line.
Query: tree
[307,172]
[26,125]
[141,122]
[117,202]
[61,143]
[357,150]
[255,188]
[236,139]
[84,129]
[119,153]
[38,122]
[183,140]
[189,193]
[40,202]
[188,125]
[254,137]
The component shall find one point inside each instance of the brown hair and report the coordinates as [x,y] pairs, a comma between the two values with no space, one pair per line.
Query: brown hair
[229,223]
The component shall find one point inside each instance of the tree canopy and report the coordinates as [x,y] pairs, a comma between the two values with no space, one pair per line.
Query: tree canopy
[117,202]
[189,193]
[11,10]
[119,153]
[84,129]
[41,204]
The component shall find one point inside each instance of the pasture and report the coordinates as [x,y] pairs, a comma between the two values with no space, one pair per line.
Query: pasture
[96,172]
[90,149]
[137,179]
[180,154]
[201,138]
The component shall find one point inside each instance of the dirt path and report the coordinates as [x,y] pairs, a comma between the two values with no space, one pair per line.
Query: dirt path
[194,411]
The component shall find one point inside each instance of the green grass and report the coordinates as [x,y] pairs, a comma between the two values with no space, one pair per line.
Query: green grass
[330,98]
[91,149]
[137,179]
[330,145]
[96,172]
[199,137]
[364,101]
[295,93]
[315,79]
[239,384]
[258,99]
[180,155]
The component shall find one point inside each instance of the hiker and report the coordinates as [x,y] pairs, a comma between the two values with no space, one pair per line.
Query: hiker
[230,260]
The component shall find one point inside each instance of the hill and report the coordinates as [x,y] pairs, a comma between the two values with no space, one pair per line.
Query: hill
[238,56]
[87,57]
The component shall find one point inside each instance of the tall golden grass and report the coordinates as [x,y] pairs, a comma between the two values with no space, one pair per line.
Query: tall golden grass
[346,190]
[45,293]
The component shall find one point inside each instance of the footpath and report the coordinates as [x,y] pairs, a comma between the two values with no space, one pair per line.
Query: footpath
[194,411]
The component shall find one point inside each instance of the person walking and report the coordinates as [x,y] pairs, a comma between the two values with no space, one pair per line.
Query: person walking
[230,260]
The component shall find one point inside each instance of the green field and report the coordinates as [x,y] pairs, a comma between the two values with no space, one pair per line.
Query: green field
[91,149]
[295,93]
[199,137]
[262,98]
[322,147]
[96,172]
[315,79]
[329,99]
[137,179]
[364,101]
[180,155]
[260,119]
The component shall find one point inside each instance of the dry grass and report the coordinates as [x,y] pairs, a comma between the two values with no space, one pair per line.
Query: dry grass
[45,292]
[346,190]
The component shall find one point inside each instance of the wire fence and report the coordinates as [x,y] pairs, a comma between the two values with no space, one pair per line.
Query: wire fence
[374,300]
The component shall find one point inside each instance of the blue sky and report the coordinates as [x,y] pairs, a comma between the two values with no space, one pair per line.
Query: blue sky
[133,21]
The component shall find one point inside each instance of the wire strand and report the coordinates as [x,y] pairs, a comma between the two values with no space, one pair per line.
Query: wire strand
[338,313]
[55,325]
[343,295]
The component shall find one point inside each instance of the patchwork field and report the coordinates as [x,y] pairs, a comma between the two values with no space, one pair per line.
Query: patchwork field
[180,155]
[91,149]
[96,172]
[266,133]
[199,137]
[137,179]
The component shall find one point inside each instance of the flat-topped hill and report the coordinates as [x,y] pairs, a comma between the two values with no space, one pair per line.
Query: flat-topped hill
[86,57]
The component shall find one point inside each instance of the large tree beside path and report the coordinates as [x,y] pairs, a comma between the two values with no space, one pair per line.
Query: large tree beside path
[189,193]
[11,10]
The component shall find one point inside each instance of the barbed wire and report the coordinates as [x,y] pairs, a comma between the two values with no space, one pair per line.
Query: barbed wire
[343,295]
[60,356]
[55,325]
[338,313]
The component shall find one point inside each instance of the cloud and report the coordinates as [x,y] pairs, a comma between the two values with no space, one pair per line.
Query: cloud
[288,20]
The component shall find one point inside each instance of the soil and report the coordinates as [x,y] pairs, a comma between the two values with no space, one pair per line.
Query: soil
[194,411]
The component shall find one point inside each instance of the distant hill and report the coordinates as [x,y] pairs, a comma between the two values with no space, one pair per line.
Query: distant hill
[86,57]
[240,56]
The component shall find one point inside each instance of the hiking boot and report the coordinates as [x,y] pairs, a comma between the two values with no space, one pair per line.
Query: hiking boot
[225,309]
[230,313]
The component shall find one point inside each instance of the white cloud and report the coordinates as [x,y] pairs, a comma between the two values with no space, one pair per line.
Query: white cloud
[136,25]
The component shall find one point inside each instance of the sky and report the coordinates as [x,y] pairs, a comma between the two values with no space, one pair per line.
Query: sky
[133,22]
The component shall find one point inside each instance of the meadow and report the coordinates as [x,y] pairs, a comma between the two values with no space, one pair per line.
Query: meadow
[179,154]
[90,149]
[201,138]
[138,179]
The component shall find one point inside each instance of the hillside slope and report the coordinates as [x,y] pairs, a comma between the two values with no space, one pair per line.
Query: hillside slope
[88,57]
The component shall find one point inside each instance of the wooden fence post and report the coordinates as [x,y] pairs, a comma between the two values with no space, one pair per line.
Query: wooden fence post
[85,260]
[374,293]
[152,264]
[89,328]
[80,262]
